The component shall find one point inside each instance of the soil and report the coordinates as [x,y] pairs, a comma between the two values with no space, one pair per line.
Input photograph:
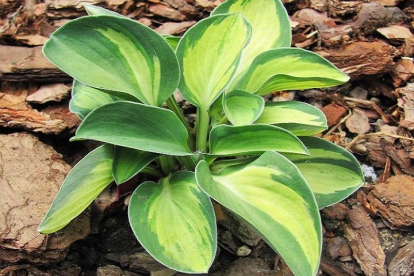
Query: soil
[371,233]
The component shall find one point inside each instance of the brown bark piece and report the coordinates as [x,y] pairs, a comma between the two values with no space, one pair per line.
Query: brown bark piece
[387,3]
[362,58]
[406,101]
[15,113]
[358,122]
[370,17]
[32,40]
[395,32]
[182,5]
[403,263]
[333,113]
[49,93]
[76,4]
[375,147]
[239,229]
[173,28]
[362,235]
[167,12]
[394,201]
[25,64]
[402,71]
[30,175]
[145,262]
[329,31]
[343,8]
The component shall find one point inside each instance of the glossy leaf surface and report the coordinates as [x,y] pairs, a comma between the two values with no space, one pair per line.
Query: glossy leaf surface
[82,185]
[253,139]
[208,54]
[129,162]
[242,108]
[289,69]
[136,126]
[332,172]
[120,54]
[270,24]
[175,222]
[272,196]
[299,118]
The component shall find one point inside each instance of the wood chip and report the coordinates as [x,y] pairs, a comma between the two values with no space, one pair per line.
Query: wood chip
[360,59]
[27,64]
[362,235]
[167,12]
[370,17]
[388,3]
[15,113]
[406,101]
[30,175]
[32,40]
[395,32]
[403,262]
[173,28]
[394,201]
[49,93]
[402,71]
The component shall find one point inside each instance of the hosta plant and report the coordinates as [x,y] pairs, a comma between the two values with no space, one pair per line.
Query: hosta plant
[258,159]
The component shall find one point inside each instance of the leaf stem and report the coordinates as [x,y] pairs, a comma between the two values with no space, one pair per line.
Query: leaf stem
[188,162]
[173,106]
[151,171]
[165,164]
[203,120]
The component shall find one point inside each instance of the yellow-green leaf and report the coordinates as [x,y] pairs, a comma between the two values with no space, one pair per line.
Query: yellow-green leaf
[289,69]
[116,53]
[332,172]
[175,222]
[253,139]
[208,54]
[242,108]
[85,99]
[82,185]
[272,196]
[300,118]
[270,26]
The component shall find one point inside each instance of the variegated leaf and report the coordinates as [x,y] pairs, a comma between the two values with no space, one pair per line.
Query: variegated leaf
[272,196]
[172,40]
[208,54]
[242,108]
[82,185]
[253,139]
[332,172]
[300,118]
[175,222]
[129,162]
[85,99]
[136,126]
[289,69]
[116,53]
[270,24]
